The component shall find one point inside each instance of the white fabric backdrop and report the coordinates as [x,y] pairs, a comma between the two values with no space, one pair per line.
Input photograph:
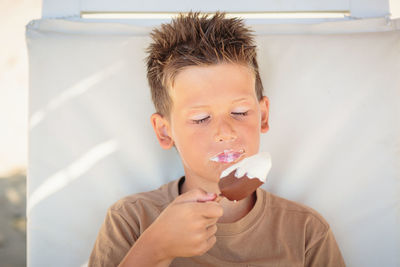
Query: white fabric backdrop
[334,134]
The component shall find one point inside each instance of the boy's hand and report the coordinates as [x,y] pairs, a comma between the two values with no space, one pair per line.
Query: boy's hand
[187,226]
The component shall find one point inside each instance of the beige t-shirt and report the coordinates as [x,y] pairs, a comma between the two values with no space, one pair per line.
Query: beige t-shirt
[276,232]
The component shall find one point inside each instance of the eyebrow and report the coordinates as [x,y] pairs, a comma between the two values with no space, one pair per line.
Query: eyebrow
[205,106]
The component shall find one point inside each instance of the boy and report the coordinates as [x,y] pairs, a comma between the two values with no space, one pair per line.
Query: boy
[208,94]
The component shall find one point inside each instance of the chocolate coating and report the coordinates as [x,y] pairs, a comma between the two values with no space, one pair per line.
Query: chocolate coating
[238,188]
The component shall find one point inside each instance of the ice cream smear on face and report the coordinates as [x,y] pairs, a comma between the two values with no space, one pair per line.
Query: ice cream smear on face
[244,177]
[227,156]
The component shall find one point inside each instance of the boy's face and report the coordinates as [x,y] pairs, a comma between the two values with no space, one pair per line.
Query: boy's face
[215,108]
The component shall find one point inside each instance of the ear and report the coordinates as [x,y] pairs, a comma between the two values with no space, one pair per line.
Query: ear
[161,127]
[264,108]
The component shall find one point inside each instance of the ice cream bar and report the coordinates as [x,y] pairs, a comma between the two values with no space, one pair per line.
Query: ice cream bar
[238,188]
[243,178]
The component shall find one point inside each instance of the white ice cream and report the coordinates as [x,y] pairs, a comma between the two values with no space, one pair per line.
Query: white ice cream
[228,156]
[257,166]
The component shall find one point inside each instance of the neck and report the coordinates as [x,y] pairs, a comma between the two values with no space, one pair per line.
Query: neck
[233,211]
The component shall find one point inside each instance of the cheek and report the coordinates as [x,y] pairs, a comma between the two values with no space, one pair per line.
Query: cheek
[191,134]
[251,127]
[193,149]
[191,140]
[251,133]
[199,140]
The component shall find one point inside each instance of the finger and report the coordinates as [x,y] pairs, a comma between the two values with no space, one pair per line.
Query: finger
[209,197]
[211,231]
[210,209]
[211,241]
[218,198]
[195,195]
[210,222]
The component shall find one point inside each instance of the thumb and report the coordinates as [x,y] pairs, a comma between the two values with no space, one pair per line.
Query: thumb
[197,195]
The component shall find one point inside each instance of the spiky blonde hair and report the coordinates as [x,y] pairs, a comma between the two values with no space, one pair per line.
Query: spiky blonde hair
[196,39]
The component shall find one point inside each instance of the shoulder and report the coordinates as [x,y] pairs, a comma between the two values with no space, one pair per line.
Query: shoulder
[298,214]
[303,226]
[159,197]
[143,208]
[126,220]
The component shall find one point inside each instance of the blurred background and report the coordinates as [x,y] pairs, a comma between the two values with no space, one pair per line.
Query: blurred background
[15,14]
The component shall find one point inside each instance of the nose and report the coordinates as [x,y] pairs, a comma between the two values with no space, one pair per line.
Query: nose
[225,132]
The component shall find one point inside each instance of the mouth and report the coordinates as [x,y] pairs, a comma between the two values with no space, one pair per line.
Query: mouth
[228,156]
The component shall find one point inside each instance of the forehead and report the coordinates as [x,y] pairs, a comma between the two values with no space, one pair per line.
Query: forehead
[214,83]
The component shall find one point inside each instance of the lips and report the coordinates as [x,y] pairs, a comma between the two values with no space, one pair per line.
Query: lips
[227,156]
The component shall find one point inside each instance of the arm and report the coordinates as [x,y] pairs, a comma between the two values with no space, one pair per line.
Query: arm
[114,243]
[146,252]
[114,239]
[185,228]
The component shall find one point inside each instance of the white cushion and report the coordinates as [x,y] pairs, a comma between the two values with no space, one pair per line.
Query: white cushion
[334,90]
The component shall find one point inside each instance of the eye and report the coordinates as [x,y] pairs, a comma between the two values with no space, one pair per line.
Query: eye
[201,120]
[240,113]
